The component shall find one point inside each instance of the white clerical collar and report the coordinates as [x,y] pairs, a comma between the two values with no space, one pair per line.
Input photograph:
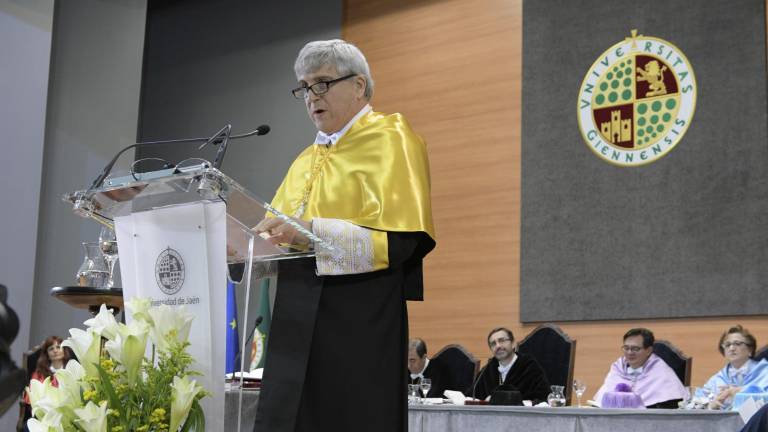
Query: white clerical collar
[503,370]
[420,374]
[634,371]
[323,138]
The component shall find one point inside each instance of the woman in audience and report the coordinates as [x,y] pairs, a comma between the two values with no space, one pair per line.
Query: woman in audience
[52,358]
[738,346]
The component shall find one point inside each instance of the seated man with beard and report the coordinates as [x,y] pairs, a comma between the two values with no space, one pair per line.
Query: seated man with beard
[509,370]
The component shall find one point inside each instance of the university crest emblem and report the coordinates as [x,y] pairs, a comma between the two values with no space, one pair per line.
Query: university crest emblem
[636,101]
[169,271]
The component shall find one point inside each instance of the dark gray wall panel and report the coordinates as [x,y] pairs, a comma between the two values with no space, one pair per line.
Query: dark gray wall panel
[684,236]
[207,64]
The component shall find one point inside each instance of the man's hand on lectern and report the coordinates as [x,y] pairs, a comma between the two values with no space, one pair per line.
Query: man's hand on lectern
[277,231]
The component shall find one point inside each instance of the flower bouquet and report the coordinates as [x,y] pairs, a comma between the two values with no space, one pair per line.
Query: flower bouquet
[115,386]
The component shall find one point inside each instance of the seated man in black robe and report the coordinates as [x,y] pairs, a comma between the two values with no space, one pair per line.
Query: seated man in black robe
[509,370]
[420,367]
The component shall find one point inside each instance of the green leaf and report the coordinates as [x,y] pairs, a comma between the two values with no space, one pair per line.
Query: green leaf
[114,401]
[195,420]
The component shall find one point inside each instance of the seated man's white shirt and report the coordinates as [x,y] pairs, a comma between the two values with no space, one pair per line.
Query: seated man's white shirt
[420,374]
[635,372]
[504,370]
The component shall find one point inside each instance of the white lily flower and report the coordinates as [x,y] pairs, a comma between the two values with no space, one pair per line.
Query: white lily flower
[37,391]
[129,346]
[115,348]
[139,308]
[92,418]
[86,345]
[135,328]
[133,353]
[169,324]
[44,397]
[70,380]
[104,323]
[51,422]
[35,425]
[183,392]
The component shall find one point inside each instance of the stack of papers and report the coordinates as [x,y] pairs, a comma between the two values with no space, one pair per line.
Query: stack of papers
[456,397]
[252,375]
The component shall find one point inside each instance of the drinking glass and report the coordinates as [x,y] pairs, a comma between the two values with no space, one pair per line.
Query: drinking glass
[557,397]
[425,384]
[413,394]
[703,397]
[579,387]
[108,246]
[689,400]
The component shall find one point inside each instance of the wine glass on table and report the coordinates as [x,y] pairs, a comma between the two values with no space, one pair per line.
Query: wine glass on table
[108,246]
[579,387]
[425,385]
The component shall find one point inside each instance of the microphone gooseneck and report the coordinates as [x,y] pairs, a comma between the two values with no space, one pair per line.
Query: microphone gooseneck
[477,379]
[221,137]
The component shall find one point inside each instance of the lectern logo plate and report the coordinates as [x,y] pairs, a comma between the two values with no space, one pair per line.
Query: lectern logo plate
[169,271]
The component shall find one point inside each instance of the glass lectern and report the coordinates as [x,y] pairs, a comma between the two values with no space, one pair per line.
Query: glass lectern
[177,230]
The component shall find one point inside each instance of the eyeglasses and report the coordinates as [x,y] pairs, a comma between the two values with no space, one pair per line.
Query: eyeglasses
[318,88]
[737,344]
[499,341]
[631,348]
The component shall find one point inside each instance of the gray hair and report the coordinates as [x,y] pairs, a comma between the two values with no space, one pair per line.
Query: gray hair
[345,57]
[419,345]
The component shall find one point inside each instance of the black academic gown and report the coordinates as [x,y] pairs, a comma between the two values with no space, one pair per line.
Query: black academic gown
[758,422]
[526,375]
[439,376]
[354,327]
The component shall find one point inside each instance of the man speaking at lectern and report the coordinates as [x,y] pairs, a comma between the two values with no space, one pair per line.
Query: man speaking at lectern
[338,341]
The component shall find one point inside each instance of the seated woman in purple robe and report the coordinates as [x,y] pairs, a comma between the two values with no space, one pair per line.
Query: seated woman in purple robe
[738,346]
[644,372]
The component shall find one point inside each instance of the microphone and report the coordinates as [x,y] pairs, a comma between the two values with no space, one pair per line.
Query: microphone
[256,323]
[223,137]
[220,137]
[477,379]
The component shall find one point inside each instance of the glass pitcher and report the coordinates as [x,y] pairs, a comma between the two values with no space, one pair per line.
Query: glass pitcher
[557,397]
[93,272]
[413,394]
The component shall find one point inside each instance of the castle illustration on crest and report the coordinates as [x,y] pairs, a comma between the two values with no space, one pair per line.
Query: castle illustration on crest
[617,130]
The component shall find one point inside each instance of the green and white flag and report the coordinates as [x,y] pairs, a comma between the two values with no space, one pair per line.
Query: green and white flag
[259,345]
